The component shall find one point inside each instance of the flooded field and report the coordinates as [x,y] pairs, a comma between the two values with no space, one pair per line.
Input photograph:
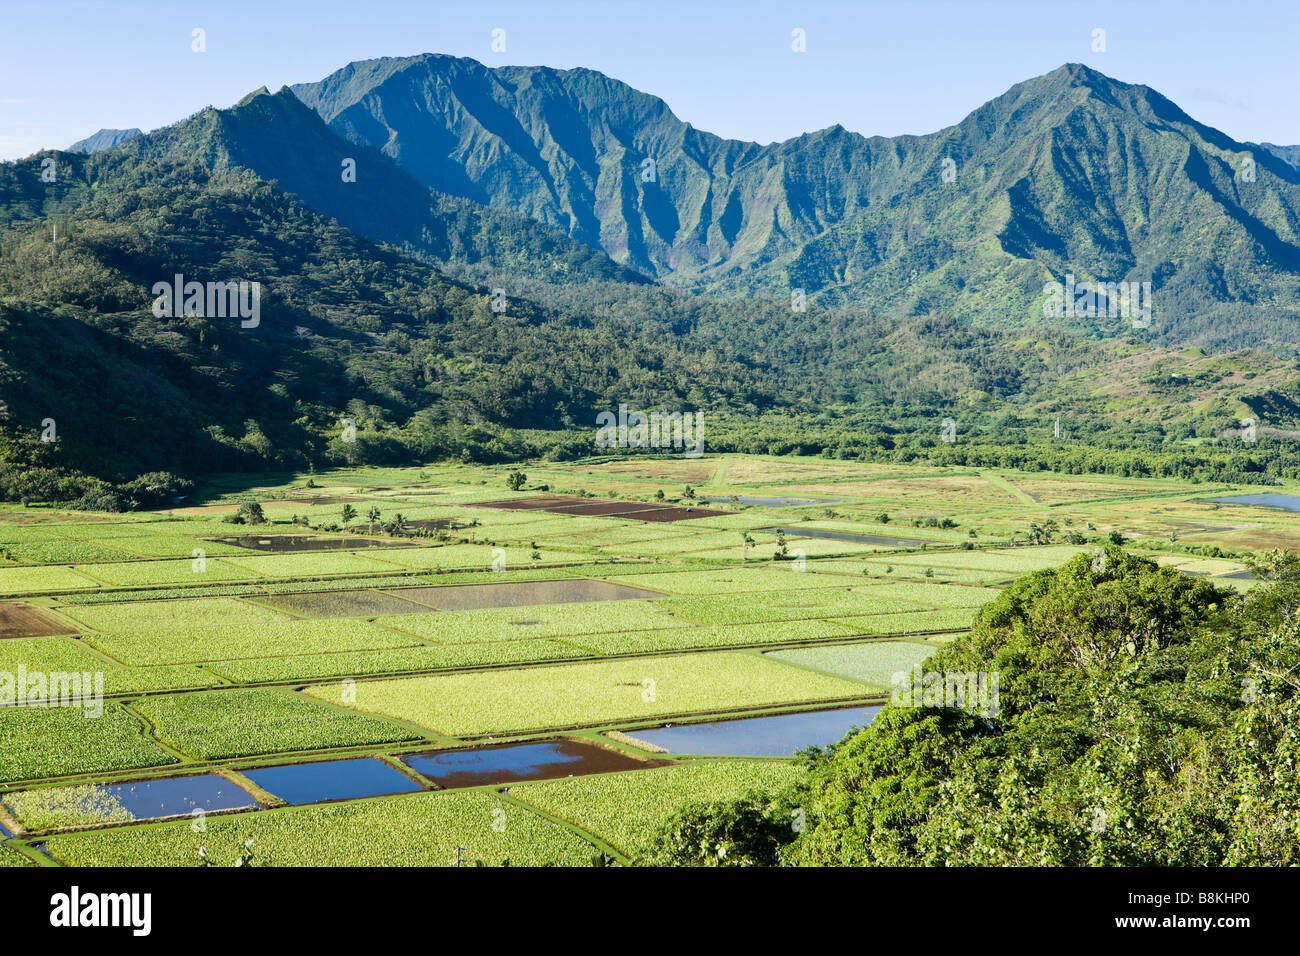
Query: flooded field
[328,780]
[466,597]
[125,802]
[514,763]
[27,620]
[1267,500]
[778,736]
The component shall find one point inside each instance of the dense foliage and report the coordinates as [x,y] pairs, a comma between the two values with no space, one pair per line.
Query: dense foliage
[1143,718]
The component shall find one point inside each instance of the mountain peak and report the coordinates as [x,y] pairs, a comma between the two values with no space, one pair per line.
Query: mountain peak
[103,139]
[260,91]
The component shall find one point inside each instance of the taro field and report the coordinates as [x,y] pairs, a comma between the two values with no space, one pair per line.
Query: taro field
[459,671]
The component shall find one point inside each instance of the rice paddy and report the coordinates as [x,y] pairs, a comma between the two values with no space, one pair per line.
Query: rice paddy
[606,604]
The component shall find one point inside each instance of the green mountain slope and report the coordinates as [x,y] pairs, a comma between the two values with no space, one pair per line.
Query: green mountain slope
[1071,172]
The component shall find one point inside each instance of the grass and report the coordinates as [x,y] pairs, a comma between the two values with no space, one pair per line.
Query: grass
[179,632]
[184,571]
[50,654]
[363,663]
[626,809]
[873,662]
[772,577]
[37,743]
[793,605]
[419,829]
[688,638]
[38,580]
[239,723]
[585,694]
[548,620]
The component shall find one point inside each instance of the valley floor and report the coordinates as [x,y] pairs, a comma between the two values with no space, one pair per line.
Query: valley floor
[340,695]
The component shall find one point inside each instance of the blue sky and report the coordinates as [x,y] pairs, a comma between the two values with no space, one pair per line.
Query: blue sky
[876,66]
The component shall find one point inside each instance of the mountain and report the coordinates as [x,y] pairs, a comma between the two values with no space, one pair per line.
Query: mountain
[104,139]
[1288,154]
[377,304]
[1070,173]
[283,141]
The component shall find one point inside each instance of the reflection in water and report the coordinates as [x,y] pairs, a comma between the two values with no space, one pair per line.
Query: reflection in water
[778,736]
[321,781]
[516,762]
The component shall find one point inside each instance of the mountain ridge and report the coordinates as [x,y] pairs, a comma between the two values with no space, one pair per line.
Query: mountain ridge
[1069,172]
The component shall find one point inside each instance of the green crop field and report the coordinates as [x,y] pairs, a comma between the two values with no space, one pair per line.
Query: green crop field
[623,808]
[408,830]
[49,742]
[237,723]
[246,658]
[873,662]
[587,694]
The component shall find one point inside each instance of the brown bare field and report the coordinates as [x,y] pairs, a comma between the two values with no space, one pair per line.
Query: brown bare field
[27,620]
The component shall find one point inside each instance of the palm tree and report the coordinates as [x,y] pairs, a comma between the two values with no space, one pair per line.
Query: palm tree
[349,513]
[372,516]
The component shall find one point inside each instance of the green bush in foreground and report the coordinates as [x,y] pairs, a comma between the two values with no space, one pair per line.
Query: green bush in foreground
[746,831]
[1144,718]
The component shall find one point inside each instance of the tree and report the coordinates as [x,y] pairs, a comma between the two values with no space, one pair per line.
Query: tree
[250,512]
[782,552]
[372,516]
[1114,677]
[349,513]
[748,831]
[515,480]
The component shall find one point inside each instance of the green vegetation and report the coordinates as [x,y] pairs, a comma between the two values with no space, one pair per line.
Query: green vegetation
[57,742]
[409,830]
[1143,718]
[873,663]
[568,695]
[626,808]
[237,723]
[398,682]
[66,806]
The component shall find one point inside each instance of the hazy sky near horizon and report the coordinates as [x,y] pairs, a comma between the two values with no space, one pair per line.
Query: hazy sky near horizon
[877,66]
